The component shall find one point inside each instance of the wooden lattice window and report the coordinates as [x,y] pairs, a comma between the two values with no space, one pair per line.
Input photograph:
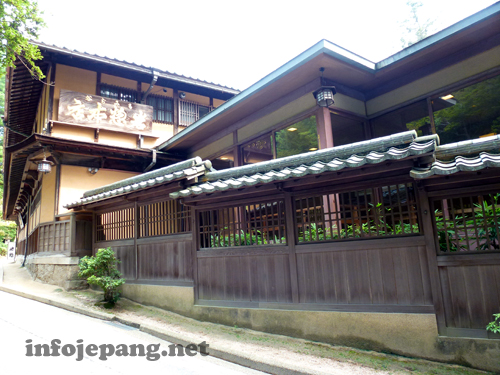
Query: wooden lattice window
[190,112]
[115,225]
[259,223]
[118,93]
[372,212]
[467,223]
[163,218]
[163,108]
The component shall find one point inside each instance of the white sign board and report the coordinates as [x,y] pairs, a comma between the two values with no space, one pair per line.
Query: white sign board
[11,252]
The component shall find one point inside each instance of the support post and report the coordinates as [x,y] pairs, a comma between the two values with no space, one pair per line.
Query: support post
[290,241]
[430,246]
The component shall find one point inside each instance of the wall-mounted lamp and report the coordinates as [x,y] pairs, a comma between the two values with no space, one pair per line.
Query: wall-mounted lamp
[44,166]
[324,95]
[182,95]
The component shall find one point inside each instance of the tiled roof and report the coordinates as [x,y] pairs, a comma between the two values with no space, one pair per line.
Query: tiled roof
[394,147]
[451,158]
[130,65]
[459,164]
[185,169]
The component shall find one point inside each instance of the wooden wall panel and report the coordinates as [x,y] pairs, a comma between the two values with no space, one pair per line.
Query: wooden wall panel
[246,278]
[126,255]
[391,276]
[166,260]
[471,294]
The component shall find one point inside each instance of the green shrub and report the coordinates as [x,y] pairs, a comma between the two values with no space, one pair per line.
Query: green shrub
[494,326]
[101,270]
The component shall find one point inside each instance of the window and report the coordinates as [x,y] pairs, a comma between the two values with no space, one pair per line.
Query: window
[115,225]
[469,113]
[295,139]
[467,223]
[163,108]
[118,93]
[190,112]
[163,218]
[259,223]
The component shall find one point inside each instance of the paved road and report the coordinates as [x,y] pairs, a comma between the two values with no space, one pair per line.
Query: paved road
[23,319]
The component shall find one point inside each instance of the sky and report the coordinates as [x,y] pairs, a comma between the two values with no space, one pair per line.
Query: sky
[236,43]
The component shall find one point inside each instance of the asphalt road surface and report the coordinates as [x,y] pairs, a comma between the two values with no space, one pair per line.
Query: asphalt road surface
[22,320]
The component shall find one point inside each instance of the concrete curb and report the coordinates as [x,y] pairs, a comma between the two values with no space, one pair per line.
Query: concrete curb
[214,352]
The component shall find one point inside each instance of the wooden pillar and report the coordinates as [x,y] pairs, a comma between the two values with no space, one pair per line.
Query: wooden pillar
[195,230]
[176,111]
[98,84]
[290,241]
[52,81]
[72,234]
[430,244]
[137,217]
[325,135]
[324,126]
[431,115]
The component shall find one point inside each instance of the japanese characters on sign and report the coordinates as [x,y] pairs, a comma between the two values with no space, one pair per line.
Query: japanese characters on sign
[98,112]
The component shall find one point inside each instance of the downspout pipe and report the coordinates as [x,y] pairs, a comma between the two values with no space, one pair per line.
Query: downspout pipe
[151,85]
[153,161]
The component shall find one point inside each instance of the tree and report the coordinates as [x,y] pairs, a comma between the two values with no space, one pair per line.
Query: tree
[101,270]
[20,20]
[414,29]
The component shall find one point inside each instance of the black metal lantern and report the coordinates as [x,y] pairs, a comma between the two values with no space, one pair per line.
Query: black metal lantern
[324,95]
[44,166]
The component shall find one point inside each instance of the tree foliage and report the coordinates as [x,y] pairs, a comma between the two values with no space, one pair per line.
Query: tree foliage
[414,29]
[20,20]
[101,270]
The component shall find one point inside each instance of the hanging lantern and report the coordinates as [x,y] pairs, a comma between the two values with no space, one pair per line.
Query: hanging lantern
[44,166]
[324,95]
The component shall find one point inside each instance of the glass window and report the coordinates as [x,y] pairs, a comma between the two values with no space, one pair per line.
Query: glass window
[346,130]
[468,113]
[119,93]
[163,108]
[258,150]
[297,138]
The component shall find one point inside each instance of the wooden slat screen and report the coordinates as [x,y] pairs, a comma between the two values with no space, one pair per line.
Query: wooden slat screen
[115,225]
[372,212]
[163,218]
[259,223]
[467,223]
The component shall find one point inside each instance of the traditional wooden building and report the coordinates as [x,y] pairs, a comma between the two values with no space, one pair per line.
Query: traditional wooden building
[93,121]
[336,199]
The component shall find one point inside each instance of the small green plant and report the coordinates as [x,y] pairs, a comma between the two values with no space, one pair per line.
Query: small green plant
[494,326]
[101,270]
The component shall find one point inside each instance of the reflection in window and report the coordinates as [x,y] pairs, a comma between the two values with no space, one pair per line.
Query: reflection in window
[295,139]
[472,112]
[298,138]
[224,161]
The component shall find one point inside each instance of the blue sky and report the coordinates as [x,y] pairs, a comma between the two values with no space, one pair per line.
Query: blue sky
[235,43]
